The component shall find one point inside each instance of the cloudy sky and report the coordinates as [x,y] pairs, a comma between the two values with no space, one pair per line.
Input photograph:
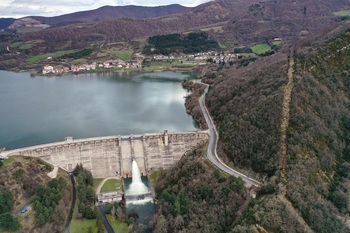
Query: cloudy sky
[22,8]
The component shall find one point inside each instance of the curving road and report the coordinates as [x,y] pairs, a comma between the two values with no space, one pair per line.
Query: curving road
[213,141]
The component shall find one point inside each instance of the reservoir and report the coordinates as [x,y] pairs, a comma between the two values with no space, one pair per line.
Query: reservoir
[46,109]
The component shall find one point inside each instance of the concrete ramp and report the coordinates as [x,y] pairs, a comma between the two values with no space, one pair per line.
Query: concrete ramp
[126,158]
[139,156]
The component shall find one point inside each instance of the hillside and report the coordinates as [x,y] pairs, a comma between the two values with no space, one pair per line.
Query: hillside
[195,197]
[310,179]
[231,23]
[25,179]
[5,22]
[102,14]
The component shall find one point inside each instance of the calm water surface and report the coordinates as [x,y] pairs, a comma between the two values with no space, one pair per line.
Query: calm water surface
[47,109]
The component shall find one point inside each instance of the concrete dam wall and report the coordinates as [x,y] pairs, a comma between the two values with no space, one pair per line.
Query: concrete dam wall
[113,155]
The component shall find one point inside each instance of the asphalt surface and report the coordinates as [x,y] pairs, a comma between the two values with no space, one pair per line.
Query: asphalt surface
[213,141]
[101,210]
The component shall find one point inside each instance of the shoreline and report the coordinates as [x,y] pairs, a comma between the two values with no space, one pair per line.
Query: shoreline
[32,74]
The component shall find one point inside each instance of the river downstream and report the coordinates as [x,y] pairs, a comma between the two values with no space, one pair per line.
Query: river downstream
[47,109]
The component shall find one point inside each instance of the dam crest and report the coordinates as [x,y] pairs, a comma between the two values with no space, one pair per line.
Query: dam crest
[113,155]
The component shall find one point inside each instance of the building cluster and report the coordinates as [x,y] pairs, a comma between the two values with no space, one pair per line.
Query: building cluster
[118,63]
[199,58]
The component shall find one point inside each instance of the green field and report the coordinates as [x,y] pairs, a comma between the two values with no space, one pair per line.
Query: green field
[101,54]
[16,44]
[154,177]
[25,47]
[82,226]
[124,55]
[34,59]
[80,61]
[59,53]
[222,46]
[248,54]
[39,58]
[277,42]
[8,160]
[118,226]
[261,48]
[97,181]
[168,65]
[112,185]
[342,13]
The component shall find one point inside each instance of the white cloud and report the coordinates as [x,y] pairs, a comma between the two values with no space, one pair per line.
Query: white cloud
[22,8]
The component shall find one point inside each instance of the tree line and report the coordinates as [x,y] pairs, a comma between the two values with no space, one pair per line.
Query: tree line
[175,43]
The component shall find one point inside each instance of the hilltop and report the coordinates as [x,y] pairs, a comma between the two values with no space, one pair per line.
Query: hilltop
[92,16]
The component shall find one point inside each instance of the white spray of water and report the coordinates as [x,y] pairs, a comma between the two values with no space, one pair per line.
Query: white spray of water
[136,187]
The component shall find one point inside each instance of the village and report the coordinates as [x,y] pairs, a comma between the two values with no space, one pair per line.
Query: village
[138,61]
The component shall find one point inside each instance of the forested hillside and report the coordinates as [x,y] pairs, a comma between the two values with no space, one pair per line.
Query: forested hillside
[196,197]
[235,22]
[308,191]
[247,104]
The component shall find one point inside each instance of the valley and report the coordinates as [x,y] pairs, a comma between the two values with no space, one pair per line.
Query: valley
[272,96]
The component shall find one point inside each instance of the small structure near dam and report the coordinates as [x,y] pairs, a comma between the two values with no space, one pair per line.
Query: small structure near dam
[113,155]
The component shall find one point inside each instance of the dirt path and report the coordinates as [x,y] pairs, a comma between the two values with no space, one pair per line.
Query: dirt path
[284,124]
[283,159]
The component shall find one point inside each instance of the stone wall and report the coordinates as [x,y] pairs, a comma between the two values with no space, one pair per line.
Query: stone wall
[112,156]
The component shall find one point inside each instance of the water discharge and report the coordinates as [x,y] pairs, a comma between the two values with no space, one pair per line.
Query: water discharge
[137,187]
[137,192]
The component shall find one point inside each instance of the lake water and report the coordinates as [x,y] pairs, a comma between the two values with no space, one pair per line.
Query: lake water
[47,109]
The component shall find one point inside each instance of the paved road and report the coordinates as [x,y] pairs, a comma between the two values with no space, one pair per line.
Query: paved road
[108,227]
[213,141]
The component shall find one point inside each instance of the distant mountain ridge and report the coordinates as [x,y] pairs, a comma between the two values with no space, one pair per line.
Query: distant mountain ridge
[111,13]
[5,22]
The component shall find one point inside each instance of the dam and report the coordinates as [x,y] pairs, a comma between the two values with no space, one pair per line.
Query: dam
[112,155]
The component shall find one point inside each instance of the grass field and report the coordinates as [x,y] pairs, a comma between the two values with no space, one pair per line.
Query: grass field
[342,13]
[39,58]
[124,55]
[8,160]
[168,65]
[34,59]
[82,226]
[261,48]
[97,181]
[277,42]
[101,54]
[248,54]
[111,185]
[222,46]
[25,47]
[118,226]
[154,177]
[80,61]
[16,44]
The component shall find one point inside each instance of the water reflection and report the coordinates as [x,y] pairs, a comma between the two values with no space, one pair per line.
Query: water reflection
[47,109]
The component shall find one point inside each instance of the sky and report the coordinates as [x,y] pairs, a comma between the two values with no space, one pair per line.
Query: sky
[22,8]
